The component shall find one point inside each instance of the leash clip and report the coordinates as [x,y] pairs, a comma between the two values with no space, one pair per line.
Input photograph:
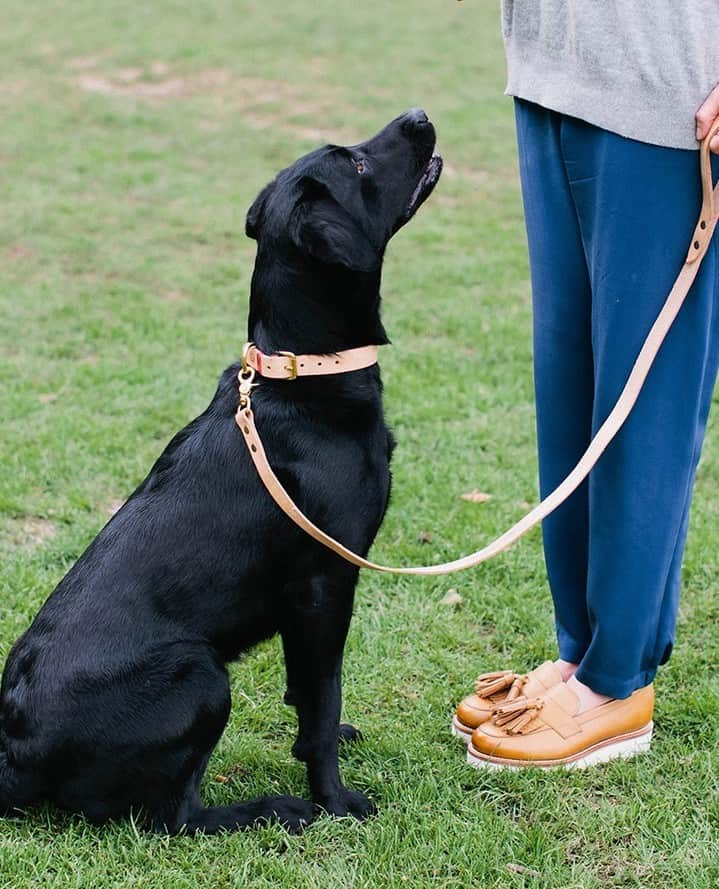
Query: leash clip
[246,378]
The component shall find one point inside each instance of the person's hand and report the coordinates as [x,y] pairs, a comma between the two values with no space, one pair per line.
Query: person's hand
[706,116]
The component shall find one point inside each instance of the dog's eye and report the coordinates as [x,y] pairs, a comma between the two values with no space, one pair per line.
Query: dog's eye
[359,166]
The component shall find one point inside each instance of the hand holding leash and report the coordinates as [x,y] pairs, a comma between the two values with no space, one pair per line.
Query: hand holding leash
[707,116]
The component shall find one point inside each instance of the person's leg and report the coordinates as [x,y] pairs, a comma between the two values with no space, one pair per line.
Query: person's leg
[637,205]
[670,602]
[563,370]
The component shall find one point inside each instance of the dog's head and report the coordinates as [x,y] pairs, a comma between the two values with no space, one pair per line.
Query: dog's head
[341,205]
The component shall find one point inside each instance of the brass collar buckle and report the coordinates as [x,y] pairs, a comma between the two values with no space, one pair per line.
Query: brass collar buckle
[292,367]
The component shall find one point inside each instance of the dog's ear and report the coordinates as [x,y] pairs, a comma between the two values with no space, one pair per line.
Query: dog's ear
[254,214]
[320,227]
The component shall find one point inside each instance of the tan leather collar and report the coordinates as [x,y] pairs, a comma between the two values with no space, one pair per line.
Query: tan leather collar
[288,366]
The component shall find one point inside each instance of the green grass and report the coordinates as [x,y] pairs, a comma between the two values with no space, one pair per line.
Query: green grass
[133,138]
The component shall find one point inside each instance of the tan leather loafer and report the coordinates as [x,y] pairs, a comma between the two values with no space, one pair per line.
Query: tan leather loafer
[493,689]
[547,731]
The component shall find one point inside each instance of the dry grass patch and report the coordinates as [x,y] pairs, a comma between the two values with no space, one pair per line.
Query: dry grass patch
[263,103]
[27,531]
[19,252]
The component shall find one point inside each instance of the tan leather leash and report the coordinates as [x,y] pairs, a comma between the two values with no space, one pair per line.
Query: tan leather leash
[288,366]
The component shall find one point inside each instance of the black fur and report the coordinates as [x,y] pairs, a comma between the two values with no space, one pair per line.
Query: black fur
[116,695]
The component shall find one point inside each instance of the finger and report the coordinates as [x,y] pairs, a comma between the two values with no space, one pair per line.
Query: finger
[714,145]
[707,113]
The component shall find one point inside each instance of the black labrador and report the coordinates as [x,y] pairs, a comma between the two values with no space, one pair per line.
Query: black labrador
[116,695]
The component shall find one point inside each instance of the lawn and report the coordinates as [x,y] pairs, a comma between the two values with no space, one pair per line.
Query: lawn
[133,138]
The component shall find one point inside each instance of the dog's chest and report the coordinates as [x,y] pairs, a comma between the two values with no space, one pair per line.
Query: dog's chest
[353,474]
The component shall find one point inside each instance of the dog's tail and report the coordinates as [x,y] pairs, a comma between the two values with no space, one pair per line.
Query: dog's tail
[7,781]
[15,790]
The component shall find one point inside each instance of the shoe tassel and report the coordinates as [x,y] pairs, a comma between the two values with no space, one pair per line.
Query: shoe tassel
[514,716]
[489,684]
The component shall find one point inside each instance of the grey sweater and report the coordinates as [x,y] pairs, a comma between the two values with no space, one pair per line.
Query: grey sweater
[640,68]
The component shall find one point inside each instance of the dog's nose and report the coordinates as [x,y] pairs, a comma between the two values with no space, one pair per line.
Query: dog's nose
[415,119]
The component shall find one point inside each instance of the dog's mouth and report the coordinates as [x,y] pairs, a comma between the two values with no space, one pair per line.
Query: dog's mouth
[425,186]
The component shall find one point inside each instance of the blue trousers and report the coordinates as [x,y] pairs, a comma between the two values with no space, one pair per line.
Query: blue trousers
[608,223]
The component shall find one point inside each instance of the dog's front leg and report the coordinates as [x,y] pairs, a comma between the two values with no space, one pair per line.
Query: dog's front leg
[314,629]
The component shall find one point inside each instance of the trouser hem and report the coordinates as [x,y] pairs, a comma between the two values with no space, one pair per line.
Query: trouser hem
[569,649]
[572,653]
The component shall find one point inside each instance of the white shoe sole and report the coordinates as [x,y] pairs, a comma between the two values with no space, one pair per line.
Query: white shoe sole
[624,747]
[464,736]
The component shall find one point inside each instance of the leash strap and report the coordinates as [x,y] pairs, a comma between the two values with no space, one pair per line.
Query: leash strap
[609,429]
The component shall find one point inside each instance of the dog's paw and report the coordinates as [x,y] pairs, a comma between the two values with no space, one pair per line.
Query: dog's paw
[349,802]
[292,813]
[348,734]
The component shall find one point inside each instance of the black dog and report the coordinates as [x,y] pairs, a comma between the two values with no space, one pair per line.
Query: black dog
[116,695]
